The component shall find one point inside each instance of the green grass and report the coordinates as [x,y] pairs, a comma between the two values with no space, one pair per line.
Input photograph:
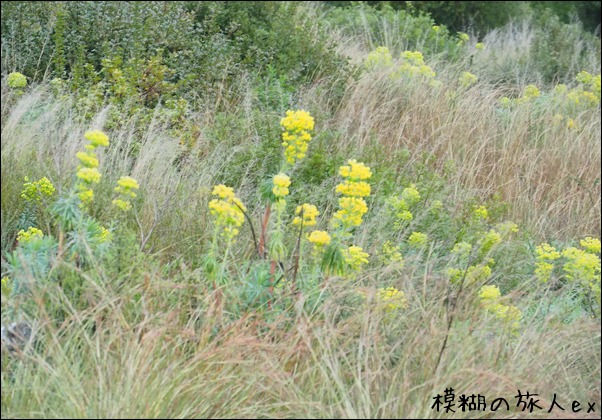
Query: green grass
[139,328]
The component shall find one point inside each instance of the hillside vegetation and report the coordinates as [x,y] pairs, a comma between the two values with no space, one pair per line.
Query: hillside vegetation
[287,209]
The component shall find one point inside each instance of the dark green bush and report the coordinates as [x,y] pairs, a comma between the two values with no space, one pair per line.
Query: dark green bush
[203,44]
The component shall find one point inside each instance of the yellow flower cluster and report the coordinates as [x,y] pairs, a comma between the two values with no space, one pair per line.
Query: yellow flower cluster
[467,79]
[392,299]
[351,212]
[354,189]
[418,240]
[391,253]
[476,274]
[308,218]
[436,28]
[352,205]
[591,245]
[6,287]
[508,314]
[16,80]
[355,171]
[581,266]
[35,191]
[589,82]
[105,234]
[355,257]
[491,239]
[87,171]
[462,250]
[481,212]
[296,138]
[463,37]
[227,210]
[126,187]
[281,184]
[381,57]
[480,46]
[401,206]
[96,138]
[319,238]
[29,235]
[413,65]
[544,266]
[89,175]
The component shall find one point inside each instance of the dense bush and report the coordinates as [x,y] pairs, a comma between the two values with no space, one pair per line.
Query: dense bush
[204,44]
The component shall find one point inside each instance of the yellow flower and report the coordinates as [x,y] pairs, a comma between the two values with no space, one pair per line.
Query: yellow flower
[467,79]
[570,123]
[352,210]
[29,235]
[122,204]
[296,121]
[281,184]
[463,36]
[105,234]
[491,239]
[126,186]
[354,189]
[35,191]
[310,212]
[418,239]
[86,195]
[546,254]
[381,57]
[391,253]
[531,91]
[6,286]
[410,195]
[355,257]
[97,138]
[223,192]
[16,80]
[436,28]
[355,171]
[591,245]
[227,210]
[296,138]
[481,212]
[490,293]
[88,159]
[392,299]
[319,238]
[480,46]
[581,266]
[89,175]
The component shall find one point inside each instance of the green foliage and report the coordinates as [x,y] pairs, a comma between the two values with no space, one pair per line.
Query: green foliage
[205,44]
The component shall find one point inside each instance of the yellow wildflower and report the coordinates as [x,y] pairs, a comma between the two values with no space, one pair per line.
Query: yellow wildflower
[354,189]
[310,212]
[29,235]
[319,238]
[355,171]
[591,245]
[227,210]
[281,184]
[89,175]
[35,191]
[97,138]
[355,257]
[418,239]
[467,79]
[392,299]
[351,212]
[381,57]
